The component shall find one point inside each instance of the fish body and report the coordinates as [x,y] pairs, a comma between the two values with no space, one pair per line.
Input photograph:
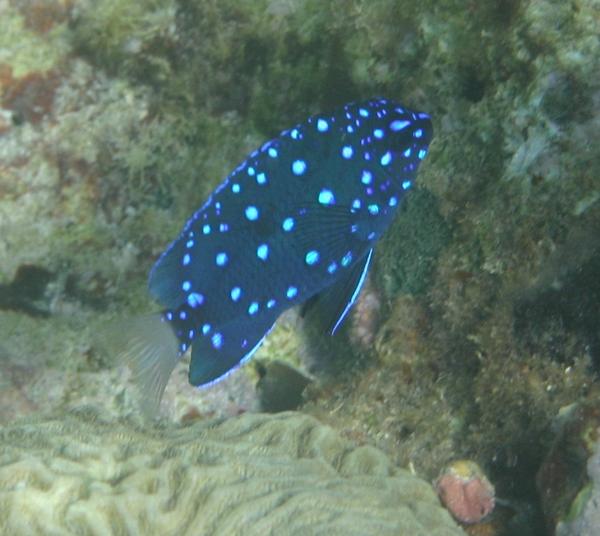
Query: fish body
[296,220]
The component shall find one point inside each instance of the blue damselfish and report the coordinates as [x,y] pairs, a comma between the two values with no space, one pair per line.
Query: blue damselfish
[297,219]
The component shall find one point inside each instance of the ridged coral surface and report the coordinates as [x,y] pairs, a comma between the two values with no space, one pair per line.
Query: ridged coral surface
[253,474]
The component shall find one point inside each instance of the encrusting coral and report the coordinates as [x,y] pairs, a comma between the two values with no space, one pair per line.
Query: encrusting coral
[253,474]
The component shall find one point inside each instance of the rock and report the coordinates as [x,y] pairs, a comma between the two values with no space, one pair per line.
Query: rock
[585,518]
[280,386]
[569,478]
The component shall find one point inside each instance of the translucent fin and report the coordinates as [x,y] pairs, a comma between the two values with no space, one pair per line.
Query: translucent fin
[150,349]
[332,305]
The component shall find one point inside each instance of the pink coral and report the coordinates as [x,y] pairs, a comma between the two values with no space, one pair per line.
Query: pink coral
[466,492]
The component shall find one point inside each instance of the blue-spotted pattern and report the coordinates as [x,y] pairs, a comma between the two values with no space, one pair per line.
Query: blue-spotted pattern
[298,217]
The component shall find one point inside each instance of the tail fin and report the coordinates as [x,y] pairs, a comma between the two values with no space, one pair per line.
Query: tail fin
[149,346]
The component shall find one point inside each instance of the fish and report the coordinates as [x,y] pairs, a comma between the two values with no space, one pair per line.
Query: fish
[295,223]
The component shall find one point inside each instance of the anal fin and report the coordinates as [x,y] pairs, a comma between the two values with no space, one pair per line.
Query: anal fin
[226,347]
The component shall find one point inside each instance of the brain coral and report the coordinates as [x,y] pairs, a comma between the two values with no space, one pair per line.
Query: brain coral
[254,474]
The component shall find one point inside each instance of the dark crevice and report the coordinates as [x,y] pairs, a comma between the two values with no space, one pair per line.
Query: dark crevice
[27,291]
[563,309]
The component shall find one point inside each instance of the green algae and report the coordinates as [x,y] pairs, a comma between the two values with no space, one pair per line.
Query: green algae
[126,37]
[409,251]
[24,50]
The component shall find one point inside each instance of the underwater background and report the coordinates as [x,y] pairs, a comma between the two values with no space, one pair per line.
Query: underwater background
[471,358]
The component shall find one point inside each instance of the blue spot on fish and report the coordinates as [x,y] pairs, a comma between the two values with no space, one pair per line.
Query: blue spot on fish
[312,257]
[326,197]
[195,300]
[298,167]
[301,221]
[252,213]
[367,177]
[235,293]
[221,259]
[288,224]
[217,340]
[322,125]
[262,252]
[291,292]
[399,124]
[373,209]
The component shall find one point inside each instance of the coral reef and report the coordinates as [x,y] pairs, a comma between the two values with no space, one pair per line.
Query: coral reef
[118,117]
[253,474]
